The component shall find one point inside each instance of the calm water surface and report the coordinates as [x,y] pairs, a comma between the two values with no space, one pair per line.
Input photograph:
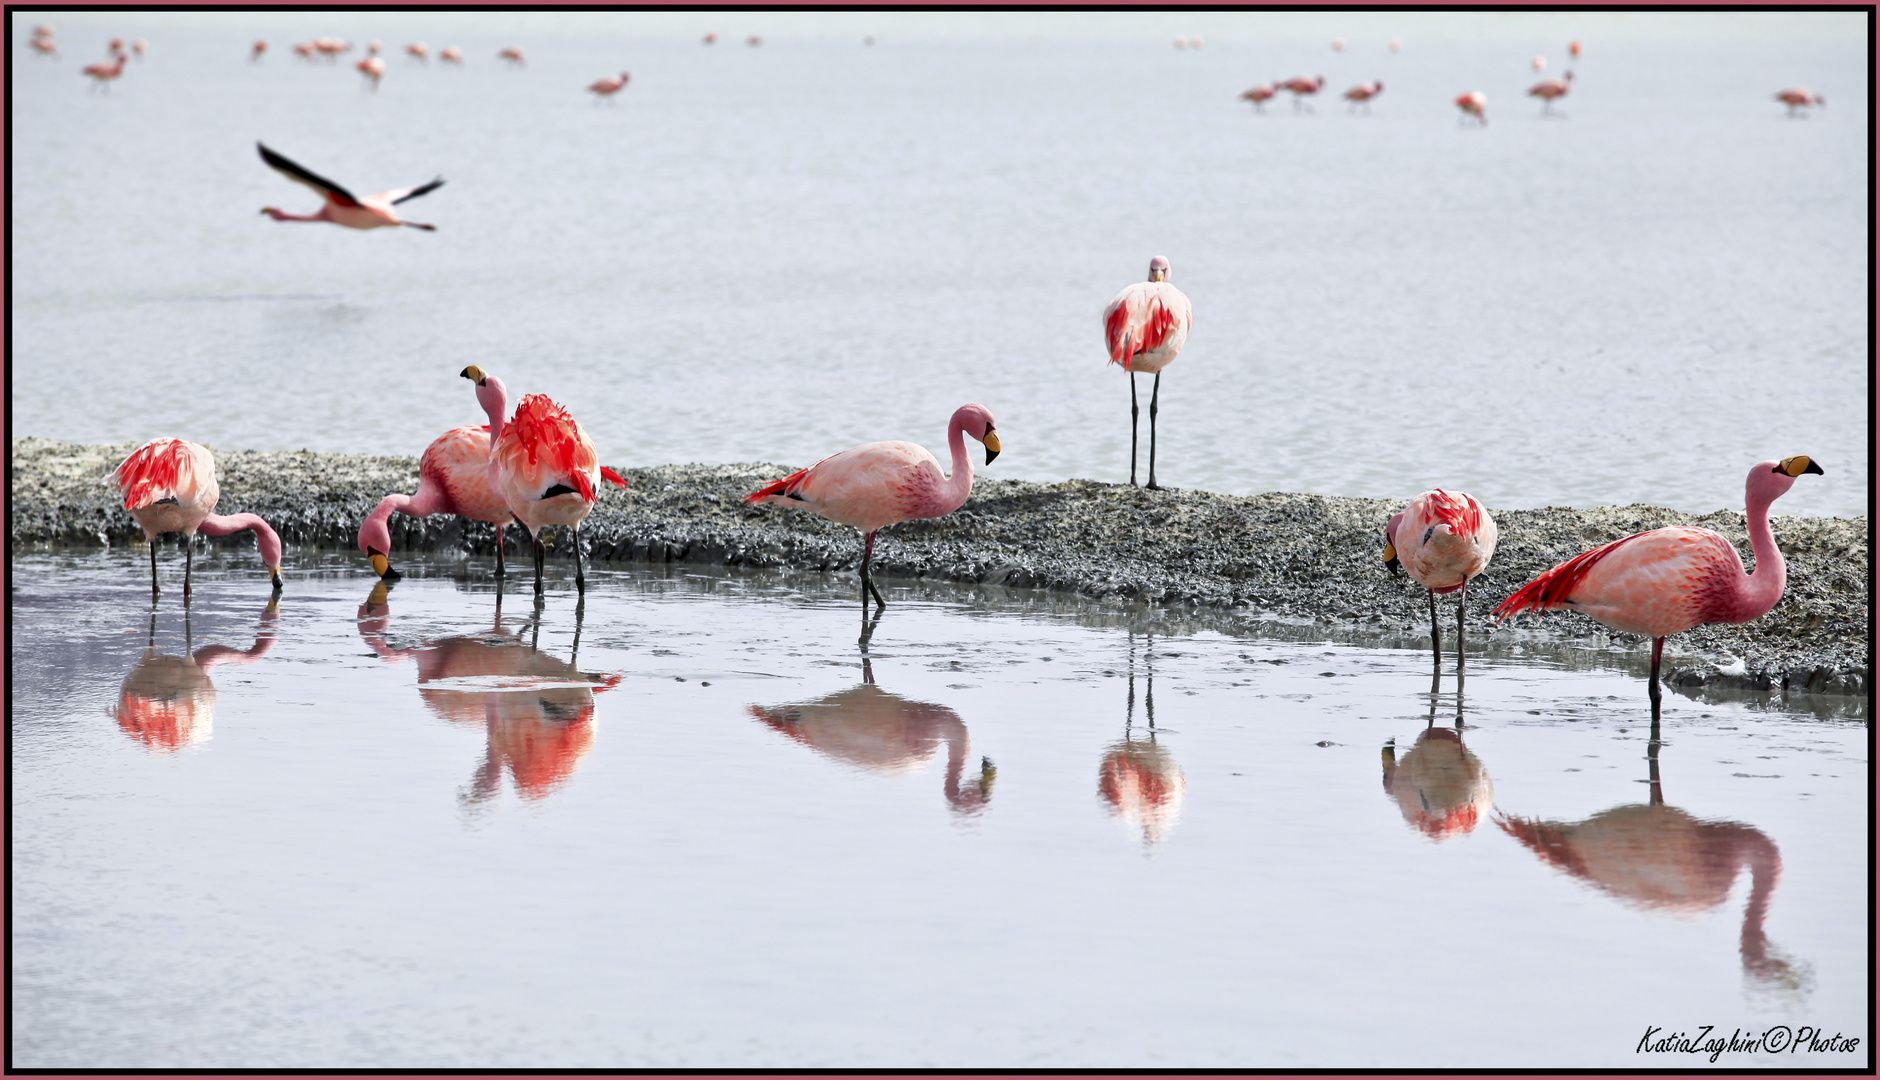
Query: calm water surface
[773,253]
[691,823]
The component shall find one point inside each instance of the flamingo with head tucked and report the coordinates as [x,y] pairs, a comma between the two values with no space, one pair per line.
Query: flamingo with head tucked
[453,478]
[541,464]
[1473,104]
[1145,327]
[169,486]
[1442,539]
[341,206]
[872,486]
[1670,580]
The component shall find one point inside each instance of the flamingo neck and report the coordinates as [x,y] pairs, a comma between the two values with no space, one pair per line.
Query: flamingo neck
[953,493]
[1763,586]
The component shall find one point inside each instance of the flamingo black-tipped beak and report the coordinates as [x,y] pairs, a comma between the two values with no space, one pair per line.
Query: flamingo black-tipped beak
[274,576]
[473,373]
[992,445]
[381,565]
[1390,557]
[1798,465]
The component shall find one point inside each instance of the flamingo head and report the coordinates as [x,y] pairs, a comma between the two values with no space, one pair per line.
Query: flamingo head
[1819,100]
[1158,269]
[491,393]
[1390,546]
[1768,480]
[975,420]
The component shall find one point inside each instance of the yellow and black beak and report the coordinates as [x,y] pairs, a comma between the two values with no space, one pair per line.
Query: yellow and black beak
[473,373]
[1390,557]
[992,444]
[380,564]
[274,576]
[1797,465]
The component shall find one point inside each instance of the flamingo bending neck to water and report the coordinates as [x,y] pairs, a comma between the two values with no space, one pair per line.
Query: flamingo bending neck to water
[1670,580]
[341,206]
[453,478]
[1473,104]
[609,86]
[1260,95]
[541,464]
[1146,326]
[169,486]
[1302,88]
[1550,89]
[1799,100]
[875,485]
[1442,539]
[102,75]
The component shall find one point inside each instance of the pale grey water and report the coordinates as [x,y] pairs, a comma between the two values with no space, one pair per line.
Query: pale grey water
[773,253]
[426,833]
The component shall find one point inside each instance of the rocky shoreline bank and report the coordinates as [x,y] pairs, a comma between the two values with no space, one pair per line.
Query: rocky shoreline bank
[1278,554]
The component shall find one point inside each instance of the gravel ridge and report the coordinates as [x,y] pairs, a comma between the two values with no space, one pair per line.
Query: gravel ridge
[1277,554]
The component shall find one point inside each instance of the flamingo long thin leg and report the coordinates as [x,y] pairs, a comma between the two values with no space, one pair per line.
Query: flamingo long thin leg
[189,551]
[154,590]
[580,582]
[1462,609]
[1134,411]
[1436,632]
[868,583]
[1155,396]
[1658,652]
[499,557]
[538,563]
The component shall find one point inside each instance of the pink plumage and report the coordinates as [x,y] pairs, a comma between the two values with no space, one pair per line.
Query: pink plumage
[453,478]
[1442,539]
[342,207]
[169,486]
[1145,327]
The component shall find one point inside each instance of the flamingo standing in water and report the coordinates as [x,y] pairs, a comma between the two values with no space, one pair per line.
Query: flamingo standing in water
[1473,104]
[44,43]
[606,88]
[513,55]
[1442,539]
[451,54]
[260,49]
[1670,580]
[453,478]
[1260,95]
[341,206]
[541,464]
[1799,100]
[1302,88]
[1549,89]
[875,485]
[1573,49]
[710,38]
[373,68]
[1539,62]
[419,51]
[169,486]
[103,74]
[1362,94]
[1146,326]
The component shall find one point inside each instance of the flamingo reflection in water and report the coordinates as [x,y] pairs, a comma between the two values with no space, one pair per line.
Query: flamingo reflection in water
[879,732]
[1661,859]
[536,710]
[1442,789]
[1138,778]
[168,702]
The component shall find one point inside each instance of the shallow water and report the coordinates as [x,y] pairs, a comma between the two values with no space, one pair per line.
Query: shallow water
[407,831]
[770,254]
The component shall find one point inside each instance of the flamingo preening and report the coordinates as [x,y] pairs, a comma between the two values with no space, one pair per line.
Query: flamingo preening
[1302,88]
[1549,89]
[341,206]
[606,88]
[541,464]
[169,486]
[872,486]
[102,75]
[1473,104]
[1260,95]
[1362,94]
[1442,539]
[1799,100]
[453,478]
[1670,580]
[1145,327]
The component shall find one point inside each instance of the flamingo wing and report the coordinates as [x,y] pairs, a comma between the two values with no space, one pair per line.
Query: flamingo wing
[325,187]
[1553,588]
[401,194]
[613,477]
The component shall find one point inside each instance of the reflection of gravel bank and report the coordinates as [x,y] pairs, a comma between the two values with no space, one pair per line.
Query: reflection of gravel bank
[1296,555]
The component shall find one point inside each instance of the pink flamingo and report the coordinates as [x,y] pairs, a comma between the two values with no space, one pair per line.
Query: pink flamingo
[875,485]
[1670,580]
[1442,539]
[44,43]
[1473,104]
[169,486]
[1549,89]
[331,47]
[341,206]
[419,51]
[1146,326]
[373,68]
[138,47]
[1573,49]
[606,88]
[1539,62]
[513,55]
[1260,95]
[304,50]
[453,478]
[1181,42]
[103,74]
[1362,94]
[1338,44]
[260,49]
[451,54]
[1442,789]
[1798,100]
[1302,88]
[116,47]
[710,38]
[754,40]
[541,464]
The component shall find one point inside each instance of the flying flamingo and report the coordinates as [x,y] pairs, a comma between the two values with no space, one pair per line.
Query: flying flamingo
[1302,88]
[874,485]
[373,68]
[453,478]
[1260,95]
[341,207]
[1798,100]
[1145,327]
[169,486]
[606,88]
[1362,94]
[260,50]
[451,54]
[102,74]
[513,55]
[541,464]
[331,47]
[1670,580]
[1442,539]
[1474,103]
[419,51]
[1549,89]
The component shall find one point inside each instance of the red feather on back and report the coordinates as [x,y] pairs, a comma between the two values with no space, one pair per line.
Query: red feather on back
[1459,512]
[154,471]
[1552,589]
[549,436]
